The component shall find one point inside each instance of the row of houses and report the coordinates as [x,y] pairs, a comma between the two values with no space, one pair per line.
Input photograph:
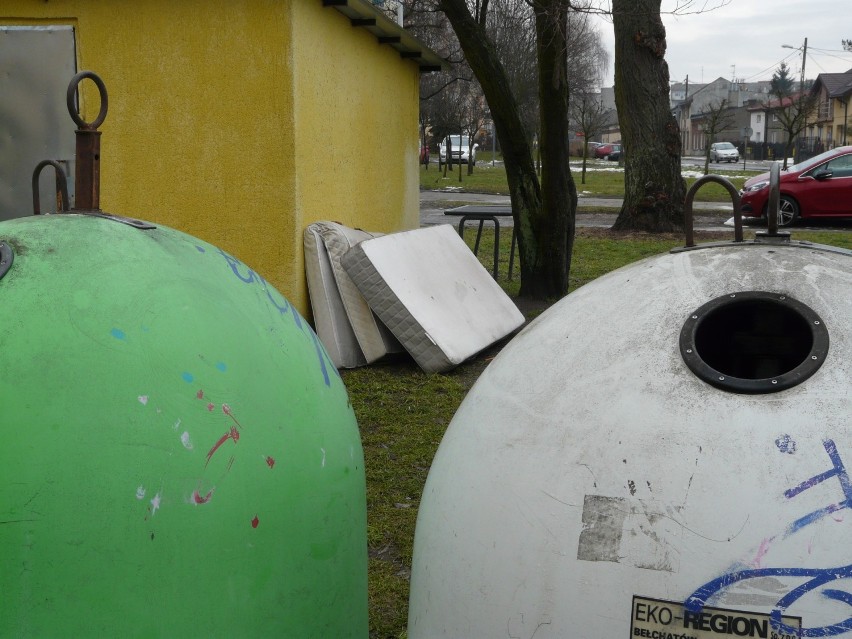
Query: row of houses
[752,116]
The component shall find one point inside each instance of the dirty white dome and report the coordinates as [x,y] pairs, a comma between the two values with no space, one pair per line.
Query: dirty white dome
[660,454]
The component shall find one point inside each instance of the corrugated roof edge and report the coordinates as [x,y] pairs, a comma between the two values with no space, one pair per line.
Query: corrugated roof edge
[363,14]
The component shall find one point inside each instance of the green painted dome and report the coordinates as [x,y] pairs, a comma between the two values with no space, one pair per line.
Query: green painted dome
[179,455]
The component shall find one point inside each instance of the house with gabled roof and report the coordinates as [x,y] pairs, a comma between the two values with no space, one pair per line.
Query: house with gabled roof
[831,124]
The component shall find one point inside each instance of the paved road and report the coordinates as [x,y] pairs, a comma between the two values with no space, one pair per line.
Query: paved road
[432,204]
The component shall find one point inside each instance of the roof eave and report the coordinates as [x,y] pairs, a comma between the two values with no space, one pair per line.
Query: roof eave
[364,15]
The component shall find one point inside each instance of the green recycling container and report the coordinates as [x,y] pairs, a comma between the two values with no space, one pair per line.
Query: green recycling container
[179,457]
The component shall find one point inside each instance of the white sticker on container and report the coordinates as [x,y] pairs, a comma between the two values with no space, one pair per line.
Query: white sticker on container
[660,619]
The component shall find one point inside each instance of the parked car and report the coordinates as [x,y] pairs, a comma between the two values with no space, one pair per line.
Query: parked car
[818,187]
[615,154]
[462,151]
[724,152]
[605,150]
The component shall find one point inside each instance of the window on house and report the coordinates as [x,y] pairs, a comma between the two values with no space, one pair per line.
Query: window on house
[775,117]
[759,116]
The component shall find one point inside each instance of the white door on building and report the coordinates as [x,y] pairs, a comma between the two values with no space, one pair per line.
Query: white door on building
[36,66]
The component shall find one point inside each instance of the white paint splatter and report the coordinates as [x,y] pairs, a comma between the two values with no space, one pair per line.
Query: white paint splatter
[140,492]
[143,399]
[155,504]
[177,425]
[323,458]
[185,440]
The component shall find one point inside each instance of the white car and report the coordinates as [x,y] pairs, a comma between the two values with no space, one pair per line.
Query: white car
[462,151]
[724,152]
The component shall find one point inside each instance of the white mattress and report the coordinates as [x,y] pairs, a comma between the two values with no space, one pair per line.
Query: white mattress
[351,333]
[433,294]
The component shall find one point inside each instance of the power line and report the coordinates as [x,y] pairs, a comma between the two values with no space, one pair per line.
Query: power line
[770,68]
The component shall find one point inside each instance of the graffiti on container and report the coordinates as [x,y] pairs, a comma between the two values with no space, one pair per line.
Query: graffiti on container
[205,487]
[249,276]
[814,578]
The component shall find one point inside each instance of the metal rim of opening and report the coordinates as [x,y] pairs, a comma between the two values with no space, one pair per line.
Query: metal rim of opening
[718,352]
[6,258]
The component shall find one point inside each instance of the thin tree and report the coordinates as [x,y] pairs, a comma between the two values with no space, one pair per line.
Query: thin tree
[718,117]
[472,116]
[847,45]
[590,116]
[792,111]
[654,191]
[543,211]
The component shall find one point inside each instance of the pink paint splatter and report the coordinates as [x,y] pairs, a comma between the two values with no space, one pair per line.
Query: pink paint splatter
[155,504]
[255,522]
[199,394]
[227,410]
[143,399]
[198,499]
[270,462]
[210,407]
[231,434]
[761,552]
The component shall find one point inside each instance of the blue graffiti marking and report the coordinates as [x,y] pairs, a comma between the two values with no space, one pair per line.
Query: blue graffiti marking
[235,265]
[839,471]
[817,577]
[249,276]
[786,444]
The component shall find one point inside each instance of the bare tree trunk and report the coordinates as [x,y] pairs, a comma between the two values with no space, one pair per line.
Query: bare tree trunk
[555,230]
[543,273]
[654,191]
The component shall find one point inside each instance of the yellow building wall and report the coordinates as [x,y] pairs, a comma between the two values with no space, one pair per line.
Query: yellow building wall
[356,108]
[240,122]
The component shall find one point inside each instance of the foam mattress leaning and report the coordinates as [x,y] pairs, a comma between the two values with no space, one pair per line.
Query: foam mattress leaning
[431,291]
[350,332]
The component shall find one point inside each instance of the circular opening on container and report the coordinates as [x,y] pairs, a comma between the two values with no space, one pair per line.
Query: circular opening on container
[754,342]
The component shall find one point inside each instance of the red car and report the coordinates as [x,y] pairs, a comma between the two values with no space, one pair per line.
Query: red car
[818,187]
[605,150]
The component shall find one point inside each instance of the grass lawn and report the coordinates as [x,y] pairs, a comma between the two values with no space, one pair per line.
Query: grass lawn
[403,413]
[603,179]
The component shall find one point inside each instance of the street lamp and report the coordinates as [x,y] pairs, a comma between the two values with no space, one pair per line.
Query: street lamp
[804,50]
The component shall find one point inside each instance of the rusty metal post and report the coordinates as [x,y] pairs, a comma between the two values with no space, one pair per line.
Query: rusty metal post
[87,179]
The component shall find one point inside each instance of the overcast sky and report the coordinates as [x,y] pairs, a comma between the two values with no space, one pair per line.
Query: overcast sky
[744,39]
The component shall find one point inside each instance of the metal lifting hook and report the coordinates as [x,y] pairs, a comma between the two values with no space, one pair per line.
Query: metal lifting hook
[690,196]
[771,209]
[87,179]
[61,186]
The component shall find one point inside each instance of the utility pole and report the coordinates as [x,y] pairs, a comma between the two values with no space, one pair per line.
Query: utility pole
[804,57]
